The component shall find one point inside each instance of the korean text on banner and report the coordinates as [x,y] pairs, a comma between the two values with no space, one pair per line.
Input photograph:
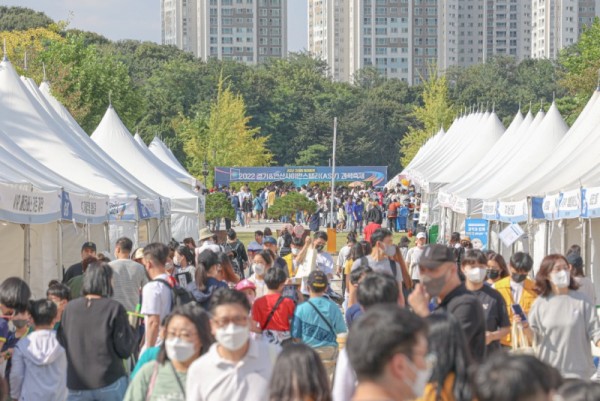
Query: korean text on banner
[511,234]
[477,230]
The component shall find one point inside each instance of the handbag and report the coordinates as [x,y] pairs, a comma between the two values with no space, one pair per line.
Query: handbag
[520,343]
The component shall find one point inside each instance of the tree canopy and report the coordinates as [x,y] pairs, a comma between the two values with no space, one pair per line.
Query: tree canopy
[281,112]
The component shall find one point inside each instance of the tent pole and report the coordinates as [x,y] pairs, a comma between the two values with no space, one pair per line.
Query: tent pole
[27,253]
[107,236]
[584,244]
[547,239]
[563,236]
[59,233]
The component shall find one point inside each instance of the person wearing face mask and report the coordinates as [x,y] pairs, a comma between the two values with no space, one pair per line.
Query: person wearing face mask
[14,300]
[414,254]
[295,247]
[518,288]
[236,367]
[388,350]
[496,316]
[381,257]
[262,261]
[187,337]
[496,267]
[440,281]
[183,260]
[562,322]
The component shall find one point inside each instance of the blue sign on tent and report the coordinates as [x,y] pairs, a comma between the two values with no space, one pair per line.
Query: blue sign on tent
[477,230]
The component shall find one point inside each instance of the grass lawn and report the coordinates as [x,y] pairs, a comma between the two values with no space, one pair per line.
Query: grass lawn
[246,238]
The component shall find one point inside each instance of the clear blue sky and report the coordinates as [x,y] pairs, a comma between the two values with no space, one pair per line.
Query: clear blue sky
[139,19]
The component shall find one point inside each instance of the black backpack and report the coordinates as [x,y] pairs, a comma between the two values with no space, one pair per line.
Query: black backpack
[179,295]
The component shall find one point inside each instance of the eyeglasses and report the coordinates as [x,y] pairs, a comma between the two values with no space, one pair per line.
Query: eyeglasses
[226,321]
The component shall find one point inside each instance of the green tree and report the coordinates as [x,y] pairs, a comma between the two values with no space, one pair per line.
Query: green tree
[223,137]
[289,204]
[313,155]
[217,206]
[85,80]
[21,19]
[436,112]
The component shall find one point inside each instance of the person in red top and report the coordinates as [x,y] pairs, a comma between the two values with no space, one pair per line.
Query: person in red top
[392,214]
[273,312]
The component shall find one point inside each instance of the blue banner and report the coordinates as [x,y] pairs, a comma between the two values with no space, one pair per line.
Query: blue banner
[477,230]
[300,175]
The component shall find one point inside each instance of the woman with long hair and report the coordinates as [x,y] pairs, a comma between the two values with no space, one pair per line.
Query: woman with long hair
[562,322]
[496,267]
[450,379]
[187,337]
[299,374]
[262,262]
[208,278]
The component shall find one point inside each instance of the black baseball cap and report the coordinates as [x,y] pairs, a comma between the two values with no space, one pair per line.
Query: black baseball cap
[89,245]
[317,281]
[575,260]
[436,255]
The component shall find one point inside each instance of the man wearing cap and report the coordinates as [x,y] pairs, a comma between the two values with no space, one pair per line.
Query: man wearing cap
[439,277]
[414,254]
[318,321]
[270,243]
[87,249]
[253,248]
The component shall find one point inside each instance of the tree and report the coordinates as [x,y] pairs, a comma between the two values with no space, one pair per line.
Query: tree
[85,80]
[21,19]
[435,113]
[580,65]
[223,138]
[313,155]
[289,204]
[217,206]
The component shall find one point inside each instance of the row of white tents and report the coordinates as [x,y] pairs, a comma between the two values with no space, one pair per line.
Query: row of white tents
[60,187]
[537,173]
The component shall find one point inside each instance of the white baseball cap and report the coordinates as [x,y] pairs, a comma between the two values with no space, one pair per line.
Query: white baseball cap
[421,235]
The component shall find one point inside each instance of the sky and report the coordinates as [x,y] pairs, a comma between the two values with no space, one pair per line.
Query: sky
[140,19]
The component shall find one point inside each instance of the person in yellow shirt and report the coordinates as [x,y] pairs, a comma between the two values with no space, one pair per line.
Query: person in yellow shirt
[518,288]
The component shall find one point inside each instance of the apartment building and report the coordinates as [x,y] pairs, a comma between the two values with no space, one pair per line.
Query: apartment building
[249,31]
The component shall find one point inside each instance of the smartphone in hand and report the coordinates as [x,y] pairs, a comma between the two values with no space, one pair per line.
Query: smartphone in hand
[517,310]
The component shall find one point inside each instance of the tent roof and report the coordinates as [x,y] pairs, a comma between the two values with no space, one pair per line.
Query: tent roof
[182,177]
[26,122]
[114,138]
[541,139]
[164,154]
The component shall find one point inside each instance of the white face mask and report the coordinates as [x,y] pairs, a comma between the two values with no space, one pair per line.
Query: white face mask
[179,350]
[295,251]
[560,279]
[390,250]
[176,261]
[476,274]
[422,377]
[258,268]
[233,337]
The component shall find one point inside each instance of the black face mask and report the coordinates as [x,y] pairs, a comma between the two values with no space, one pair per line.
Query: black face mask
[493,274]
[319,248]
[19,323]
[518,278]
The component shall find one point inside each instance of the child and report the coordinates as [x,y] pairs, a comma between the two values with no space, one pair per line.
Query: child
[14,298]
[60,294]
[39,370]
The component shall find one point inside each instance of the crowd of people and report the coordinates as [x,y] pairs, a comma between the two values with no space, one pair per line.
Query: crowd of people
[224,320]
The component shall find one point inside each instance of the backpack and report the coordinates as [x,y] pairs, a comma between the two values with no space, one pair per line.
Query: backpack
[179,295]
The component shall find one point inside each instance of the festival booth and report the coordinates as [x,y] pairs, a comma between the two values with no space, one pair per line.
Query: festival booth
[114,138]
[50,246]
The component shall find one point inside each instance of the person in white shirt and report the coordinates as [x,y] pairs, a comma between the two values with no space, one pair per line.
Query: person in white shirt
[156,295]
[414,255]
[236,367]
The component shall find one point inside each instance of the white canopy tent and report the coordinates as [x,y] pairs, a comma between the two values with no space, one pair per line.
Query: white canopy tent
[114,138]
[142,232]
[31,128]
[164,154]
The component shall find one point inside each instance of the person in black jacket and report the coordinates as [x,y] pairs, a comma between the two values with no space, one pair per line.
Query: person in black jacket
[97,337]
